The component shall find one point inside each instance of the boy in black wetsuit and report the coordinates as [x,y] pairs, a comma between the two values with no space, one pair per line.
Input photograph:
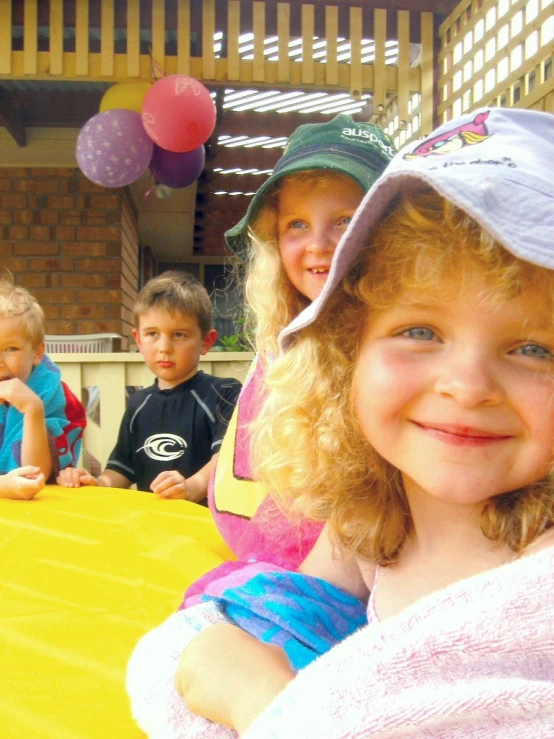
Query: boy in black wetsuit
[171,431]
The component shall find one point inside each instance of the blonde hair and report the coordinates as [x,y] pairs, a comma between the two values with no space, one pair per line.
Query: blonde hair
[307,443]
[17,302]
[272,300]
[175,292]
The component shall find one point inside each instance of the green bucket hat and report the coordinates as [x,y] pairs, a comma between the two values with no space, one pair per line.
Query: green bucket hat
[359,150]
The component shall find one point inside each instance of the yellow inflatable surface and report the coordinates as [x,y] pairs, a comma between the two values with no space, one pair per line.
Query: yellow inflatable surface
[83,574]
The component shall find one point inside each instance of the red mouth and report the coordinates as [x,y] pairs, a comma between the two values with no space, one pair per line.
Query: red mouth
[462,435]
[319,271]
[165,365]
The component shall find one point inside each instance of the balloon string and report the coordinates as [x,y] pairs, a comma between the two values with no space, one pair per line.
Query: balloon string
[156,69]
[150,191]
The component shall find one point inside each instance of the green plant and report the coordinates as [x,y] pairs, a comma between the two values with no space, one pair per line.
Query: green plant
[233,342]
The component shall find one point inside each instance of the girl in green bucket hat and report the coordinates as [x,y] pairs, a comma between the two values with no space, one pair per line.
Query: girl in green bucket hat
[286,241]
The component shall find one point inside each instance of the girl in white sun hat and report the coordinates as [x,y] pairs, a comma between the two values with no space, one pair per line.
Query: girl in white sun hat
[422,433]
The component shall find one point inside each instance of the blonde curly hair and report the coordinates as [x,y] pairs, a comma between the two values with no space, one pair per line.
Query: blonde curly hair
[17,302]
[272,300]
[307,444]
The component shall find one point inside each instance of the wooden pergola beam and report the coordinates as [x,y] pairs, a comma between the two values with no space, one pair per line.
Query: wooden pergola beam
[10,119]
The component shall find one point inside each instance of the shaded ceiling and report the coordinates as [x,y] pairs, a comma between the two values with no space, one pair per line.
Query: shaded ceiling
[220,197]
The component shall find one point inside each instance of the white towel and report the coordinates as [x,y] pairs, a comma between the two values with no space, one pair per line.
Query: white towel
[155,704]
[475,660]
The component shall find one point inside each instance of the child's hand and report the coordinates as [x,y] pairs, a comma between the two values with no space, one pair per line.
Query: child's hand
[22,483]
[74,477]
[170,484]
[20,395]
[229,677]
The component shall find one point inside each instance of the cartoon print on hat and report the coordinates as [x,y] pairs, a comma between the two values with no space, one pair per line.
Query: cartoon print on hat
[465,135]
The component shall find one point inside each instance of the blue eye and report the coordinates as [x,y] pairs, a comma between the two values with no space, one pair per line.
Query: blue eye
[346,221]
[420,333]
[535,351]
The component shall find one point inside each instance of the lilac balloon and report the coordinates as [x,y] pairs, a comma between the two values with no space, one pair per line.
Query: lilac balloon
[177,169]
[113,148]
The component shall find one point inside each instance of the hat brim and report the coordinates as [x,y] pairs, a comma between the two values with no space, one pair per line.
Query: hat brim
[330,161]
[509,219]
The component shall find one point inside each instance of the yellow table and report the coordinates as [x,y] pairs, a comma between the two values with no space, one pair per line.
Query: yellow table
[83,574]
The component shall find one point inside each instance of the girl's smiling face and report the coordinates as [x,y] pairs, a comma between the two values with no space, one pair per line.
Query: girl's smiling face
[312,217]
[457,392]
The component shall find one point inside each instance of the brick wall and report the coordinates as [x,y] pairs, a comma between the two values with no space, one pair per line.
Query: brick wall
[74,245]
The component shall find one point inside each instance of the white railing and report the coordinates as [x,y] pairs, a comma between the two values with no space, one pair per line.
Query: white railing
[101,381]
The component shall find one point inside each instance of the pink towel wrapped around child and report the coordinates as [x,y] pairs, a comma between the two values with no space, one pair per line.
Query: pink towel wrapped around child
[473,660]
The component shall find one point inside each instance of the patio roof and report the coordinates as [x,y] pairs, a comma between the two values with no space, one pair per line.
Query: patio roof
[253,122]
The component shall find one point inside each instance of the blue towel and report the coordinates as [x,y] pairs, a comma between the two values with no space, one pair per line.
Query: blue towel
[304,615]
[64,416]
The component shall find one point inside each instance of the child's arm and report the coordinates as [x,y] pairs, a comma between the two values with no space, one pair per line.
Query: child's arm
[22,483]
[35,449]
[172,484]
[248,675]
[326,562]
[74,477]
[223,655]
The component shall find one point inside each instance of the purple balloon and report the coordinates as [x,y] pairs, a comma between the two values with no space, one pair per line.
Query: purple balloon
[113,148]
[177,169]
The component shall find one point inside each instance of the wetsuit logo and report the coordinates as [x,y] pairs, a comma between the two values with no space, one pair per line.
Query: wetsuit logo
[468,134]
[164,447]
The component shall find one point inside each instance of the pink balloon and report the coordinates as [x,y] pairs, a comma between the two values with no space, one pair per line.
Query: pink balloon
[113,149]
[178,113]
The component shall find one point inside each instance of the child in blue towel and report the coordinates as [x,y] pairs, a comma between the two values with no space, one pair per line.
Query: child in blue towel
[41,421]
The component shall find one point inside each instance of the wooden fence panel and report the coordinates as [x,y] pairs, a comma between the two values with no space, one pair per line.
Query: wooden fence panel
[356,83]
[111,374]
[380,72]
[493,52]
[258,29]
[56,37]
[301,58]
[308,31]
[158,32]
[233,33]
[498,53]
[5,38]
[427,74]
[81,38]
[183,37]
[208,31]
[133,38]
[283,31]
[30,38]
[403,67]
[331,35]
[107,38]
